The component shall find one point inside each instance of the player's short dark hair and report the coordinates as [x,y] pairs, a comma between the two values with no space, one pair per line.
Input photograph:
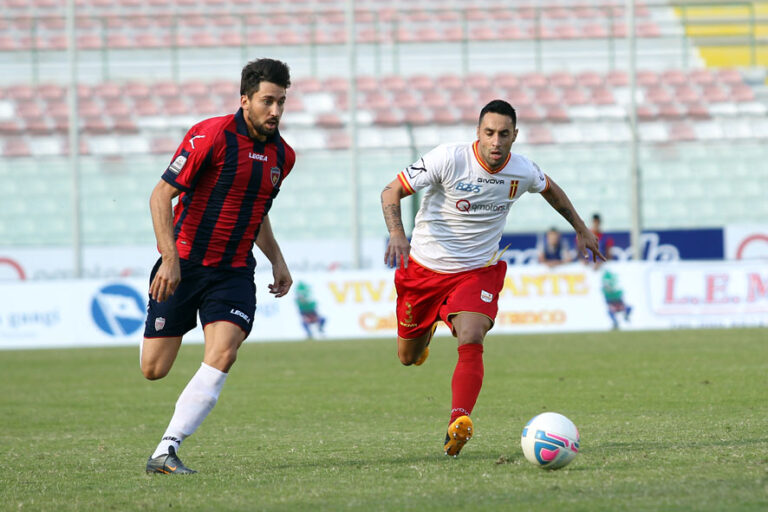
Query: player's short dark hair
[264,70]
[596,216]
[499,107]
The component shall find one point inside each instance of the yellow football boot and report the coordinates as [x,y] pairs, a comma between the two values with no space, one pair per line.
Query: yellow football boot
[459,432]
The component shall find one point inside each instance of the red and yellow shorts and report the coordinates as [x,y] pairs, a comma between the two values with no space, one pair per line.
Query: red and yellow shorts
[425,296]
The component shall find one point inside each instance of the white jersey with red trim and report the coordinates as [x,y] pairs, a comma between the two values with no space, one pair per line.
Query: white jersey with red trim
[465,205]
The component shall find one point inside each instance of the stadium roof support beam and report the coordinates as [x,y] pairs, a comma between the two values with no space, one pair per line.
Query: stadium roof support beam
[74,141]
[352,126]
[634,168]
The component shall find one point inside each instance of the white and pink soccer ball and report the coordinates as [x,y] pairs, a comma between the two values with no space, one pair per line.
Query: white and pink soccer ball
[550,440]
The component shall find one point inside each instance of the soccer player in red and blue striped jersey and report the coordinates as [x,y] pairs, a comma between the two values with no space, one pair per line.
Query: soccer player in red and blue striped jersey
[226,174]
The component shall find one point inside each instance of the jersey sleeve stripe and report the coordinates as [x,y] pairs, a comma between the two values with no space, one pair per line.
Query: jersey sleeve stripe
[405,184]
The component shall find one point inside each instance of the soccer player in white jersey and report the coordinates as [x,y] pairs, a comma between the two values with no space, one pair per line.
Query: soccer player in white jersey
[451,269]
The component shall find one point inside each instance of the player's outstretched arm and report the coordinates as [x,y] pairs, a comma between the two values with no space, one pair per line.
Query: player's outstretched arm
[168,274]
[398,247]
[585,239]
[267,244]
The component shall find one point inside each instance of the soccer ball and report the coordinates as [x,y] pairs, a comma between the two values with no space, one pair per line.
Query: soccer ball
[550,440]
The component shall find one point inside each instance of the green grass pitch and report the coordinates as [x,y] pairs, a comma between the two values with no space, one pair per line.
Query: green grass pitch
[674,420]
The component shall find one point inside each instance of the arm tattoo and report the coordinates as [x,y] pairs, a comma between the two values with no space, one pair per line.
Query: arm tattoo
[567,214]
[393,217]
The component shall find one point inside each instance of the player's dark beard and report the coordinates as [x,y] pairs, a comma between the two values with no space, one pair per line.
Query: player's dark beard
[261,129]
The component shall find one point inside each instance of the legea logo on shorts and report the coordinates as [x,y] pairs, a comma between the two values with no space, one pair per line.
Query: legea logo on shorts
[118,310]
[242,315]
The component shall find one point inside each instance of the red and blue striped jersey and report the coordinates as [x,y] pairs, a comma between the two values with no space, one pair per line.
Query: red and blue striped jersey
[228,182]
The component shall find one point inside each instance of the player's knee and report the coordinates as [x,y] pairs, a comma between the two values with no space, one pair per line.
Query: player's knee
[153,372]
[471,335]
[407,358]
[223,359]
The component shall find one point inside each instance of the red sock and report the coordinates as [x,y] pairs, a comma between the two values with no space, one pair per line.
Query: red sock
[467,380]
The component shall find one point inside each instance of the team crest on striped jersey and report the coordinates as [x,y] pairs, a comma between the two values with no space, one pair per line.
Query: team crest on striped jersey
[513,188]
[275,175]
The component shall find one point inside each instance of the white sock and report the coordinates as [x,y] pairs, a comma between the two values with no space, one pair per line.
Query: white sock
[193,405]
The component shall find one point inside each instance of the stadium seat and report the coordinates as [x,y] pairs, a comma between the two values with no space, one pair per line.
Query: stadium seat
[16,147]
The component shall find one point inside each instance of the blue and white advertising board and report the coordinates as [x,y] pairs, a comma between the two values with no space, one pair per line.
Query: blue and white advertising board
[361,304]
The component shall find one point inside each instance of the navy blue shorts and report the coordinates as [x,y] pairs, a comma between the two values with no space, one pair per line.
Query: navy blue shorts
[219,294]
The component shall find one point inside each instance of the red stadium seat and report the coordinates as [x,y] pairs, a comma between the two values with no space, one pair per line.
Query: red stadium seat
[119,40]
[715,94]
[647,77]
[742,93]
[728,76]
[507,80]
[671,111]
[337,139]
[89,108]
[125,125]
[29,109]
[231,38]
[329,120]
[681,131]
[176,107]
[388,117]
[16,147]
[450,82]
[11,127]
[445,115]
[163,145]
[557,114]
[530,114]
[538,134]
[647,112]
[534,79]
[146,107]
[575,96]
[95,125]
[617,78]
[674,77]
[468,115]
[367,83]
[38,126]
[417,116]
[547,97]
[205,106]
[603,96]
[422,82]
[335,84]
[20,92]
[697,111]
[518,97]
[562,79]
[166,89]
[686,94]
[594,31]
[463,99]
[647,29]
[477,81]
[702,77]
[658,95]
[89,42]
[512,33]
[394,83]
[434,99]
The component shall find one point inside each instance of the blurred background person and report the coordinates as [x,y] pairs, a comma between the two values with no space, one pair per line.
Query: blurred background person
[553,250]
